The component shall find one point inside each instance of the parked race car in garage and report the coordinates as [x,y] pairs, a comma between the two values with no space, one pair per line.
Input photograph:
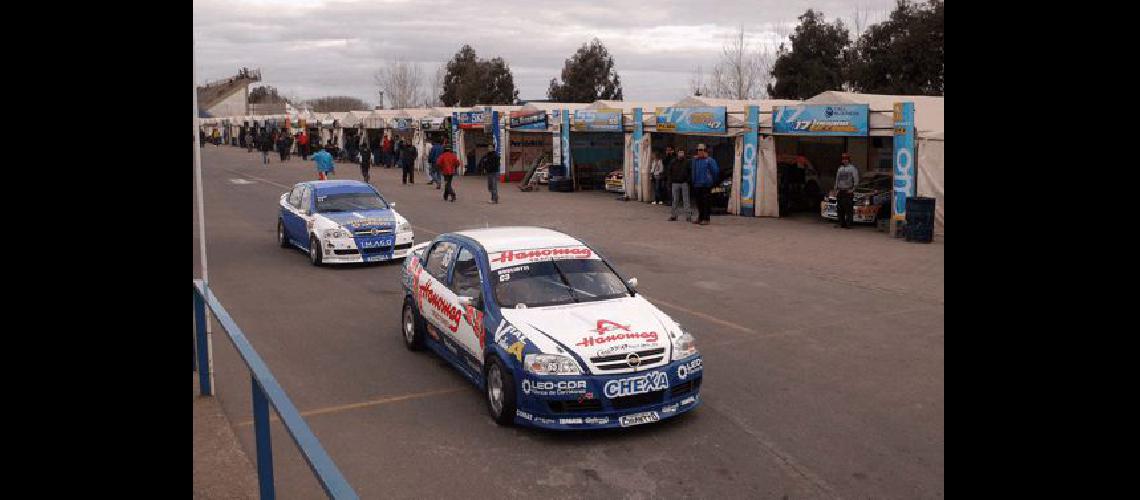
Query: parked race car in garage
[614,182]
[548,330]
[870,195]
[342,221]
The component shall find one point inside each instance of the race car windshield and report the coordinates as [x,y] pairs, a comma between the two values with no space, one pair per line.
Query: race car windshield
[558,282]
[350,202]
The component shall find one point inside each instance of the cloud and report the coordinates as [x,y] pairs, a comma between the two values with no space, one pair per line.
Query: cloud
[334,47]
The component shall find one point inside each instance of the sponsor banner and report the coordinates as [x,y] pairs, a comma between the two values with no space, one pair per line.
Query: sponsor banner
[597,120]
[528,120]
[565,132]
[597,420]
[470,119]
[821,119]
[639,418]
[557,147]
[904,158]
[495,134]
[431,123]
[636,145]
[515,257]
[454,131]
[748,164]
[610,331]
[553,387]
[400,123]
[692,120]
[569,421]
[691,368]
[653,381]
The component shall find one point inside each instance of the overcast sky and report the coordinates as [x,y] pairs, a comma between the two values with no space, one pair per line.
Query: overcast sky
[314,48]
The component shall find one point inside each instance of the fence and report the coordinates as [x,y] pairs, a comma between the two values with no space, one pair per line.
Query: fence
[266,392]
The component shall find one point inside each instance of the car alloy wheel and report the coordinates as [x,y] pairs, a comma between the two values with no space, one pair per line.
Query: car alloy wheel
[315,250]
[495,389]
[409,325]
[281,238]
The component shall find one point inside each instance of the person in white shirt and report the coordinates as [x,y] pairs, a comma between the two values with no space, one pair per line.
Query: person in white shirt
[846,178]
[657,173]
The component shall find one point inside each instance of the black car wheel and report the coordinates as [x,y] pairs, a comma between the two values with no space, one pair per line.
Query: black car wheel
[315,251]
[500,391]
[411,325]
[281,238]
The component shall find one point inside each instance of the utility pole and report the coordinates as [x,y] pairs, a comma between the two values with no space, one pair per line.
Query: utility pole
[202,227]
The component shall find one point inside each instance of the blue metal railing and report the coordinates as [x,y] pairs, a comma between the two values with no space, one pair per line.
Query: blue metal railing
[266,392]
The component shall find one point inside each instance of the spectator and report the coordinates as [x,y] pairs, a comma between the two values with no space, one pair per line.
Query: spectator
[433,155]
[265,144]
[846,177]
[325,165]
[408,162]
[282,144]
[365,162]
[657,173]
[201,138]
[448,163]
[303,145]
[388,152]
[679,176]
[489,166]
[705,174]
[249,145]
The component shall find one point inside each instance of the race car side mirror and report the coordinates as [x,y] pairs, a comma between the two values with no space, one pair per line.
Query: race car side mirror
[632,282]
[392,205]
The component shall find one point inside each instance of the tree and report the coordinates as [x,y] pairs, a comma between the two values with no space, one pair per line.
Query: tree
[587,76]
[697,85]
[265,95]
[470,81]
[435,86]
[904,54]
[336,103]
[741,72]
[815,61]
[402,83]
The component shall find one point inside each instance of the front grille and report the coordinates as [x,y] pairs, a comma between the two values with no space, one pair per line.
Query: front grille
[649,357]
[574,405]
[351,251]
[685,388]
[626,402]
[368,232]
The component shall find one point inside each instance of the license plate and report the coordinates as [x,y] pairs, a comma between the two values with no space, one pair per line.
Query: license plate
[375,258]
[639,418]
[376,243]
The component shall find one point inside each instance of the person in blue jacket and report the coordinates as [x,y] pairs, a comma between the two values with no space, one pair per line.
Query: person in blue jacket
[324,164]
[433,155]
[705,174]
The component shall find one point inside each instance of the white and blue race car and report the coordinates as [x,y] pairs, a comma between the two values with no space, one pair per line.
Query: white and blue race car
[548,330]
[342,222]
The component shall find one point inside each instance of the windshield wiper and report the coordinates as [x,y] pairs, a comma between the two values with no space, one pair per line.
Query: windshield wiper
[570,287]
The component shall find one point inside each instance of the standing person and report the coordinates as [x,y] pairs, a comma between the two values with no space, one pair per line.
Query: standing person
[303,145]
[433,155]
[667,160]
[489,166]
[282,144]
[448,164]
[470,165]
[249,142]
[846,177]
[325,165]
[408,162]
[265,145]
[680,173]
[201,138]
[365,162]
[657,173]
[387,151]
[705,174]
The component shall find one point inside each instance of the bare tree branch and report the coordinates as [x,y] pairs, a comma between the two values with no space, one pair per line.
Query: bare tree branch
[402,83]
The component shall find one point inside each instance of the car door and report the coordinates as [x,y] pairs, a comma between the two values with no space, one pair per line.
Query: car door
[294,225]
[437,303]
[467,281]
[303,211]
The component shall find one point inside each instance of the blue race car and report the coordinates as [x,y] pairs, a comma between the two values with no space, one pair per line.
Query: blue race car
[548,330]
[341,222]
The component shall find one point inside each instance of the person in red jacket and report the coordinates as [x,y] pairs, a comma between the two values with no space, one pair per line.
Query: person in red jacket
[448,163]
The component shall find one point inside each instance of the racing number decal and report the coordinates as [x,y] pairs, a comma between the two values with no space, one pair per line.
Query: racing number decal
[517,350]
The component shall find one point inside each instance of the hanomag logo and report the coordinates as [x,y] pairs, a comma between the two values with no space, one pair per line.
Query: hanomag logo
[605,326]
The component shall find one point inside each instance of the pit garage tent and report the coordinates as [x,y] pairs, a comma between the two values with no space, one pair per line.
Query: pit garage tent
[644,149]
[929,124]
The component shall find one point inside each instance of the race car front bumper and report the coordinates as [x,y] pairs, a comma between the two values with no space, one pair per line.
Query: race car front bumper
[608,401]
[860,213]
[358,249]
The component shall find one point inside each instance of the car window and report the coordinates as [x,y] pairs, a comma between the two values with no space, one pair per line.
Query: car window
[556,282]
[295,196]
[306,198]
[465,281]
[439,258]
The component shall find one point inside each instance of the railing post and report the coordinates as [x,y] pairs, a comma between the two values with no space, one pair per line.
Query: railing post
[264,446]
[204,367]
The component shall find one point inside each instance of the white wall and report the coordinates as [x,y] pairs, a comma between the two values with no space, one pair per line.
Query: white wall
[234,105]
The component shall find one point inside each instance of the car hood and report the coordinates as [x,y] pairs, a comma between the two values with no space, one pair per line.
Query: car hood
[363,219]
[592,329]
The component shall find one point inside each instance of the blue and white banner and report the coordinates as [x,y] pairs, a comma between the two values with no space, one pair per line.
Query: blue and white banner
[533,120]
[455,132]
[495,133]
[904,158]
[821,119]
[556,116]
[748,164]
[470,119]
[565,133]
[400,123]
[692,120]
[636,145]
[597,120]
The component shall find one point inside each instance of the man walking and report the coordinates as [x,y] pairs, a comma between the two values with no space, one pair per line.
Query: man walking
[705,174]
[448,164]
[388,152]
[845,180]
[489,166]
[365,162]
[265,145]
[408,163]
[325,165]
[679,174]
[303,145]
[433,155]
[283,145]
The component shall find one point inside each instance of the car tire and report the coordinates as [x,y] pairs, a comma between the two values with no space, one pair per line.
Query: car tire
[499,389]
[315,256]
[411,326]
[281,238]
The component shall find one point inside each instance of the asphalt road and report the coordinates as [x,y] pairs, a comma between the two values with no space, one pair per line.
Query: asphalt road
[824,352]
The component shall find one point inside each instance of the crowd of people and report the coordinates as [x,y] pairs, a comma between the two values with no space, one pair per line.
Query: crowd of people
[679,181]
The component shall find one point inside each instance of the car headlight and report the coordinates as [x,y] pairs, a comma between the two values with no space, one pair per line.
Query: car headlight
[338,232]
[551,364]
[684,346]
[403,226]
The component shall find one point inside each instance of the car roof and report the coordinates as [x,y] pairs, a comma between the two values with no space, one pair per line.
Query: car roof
[339,186]
[497,239]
